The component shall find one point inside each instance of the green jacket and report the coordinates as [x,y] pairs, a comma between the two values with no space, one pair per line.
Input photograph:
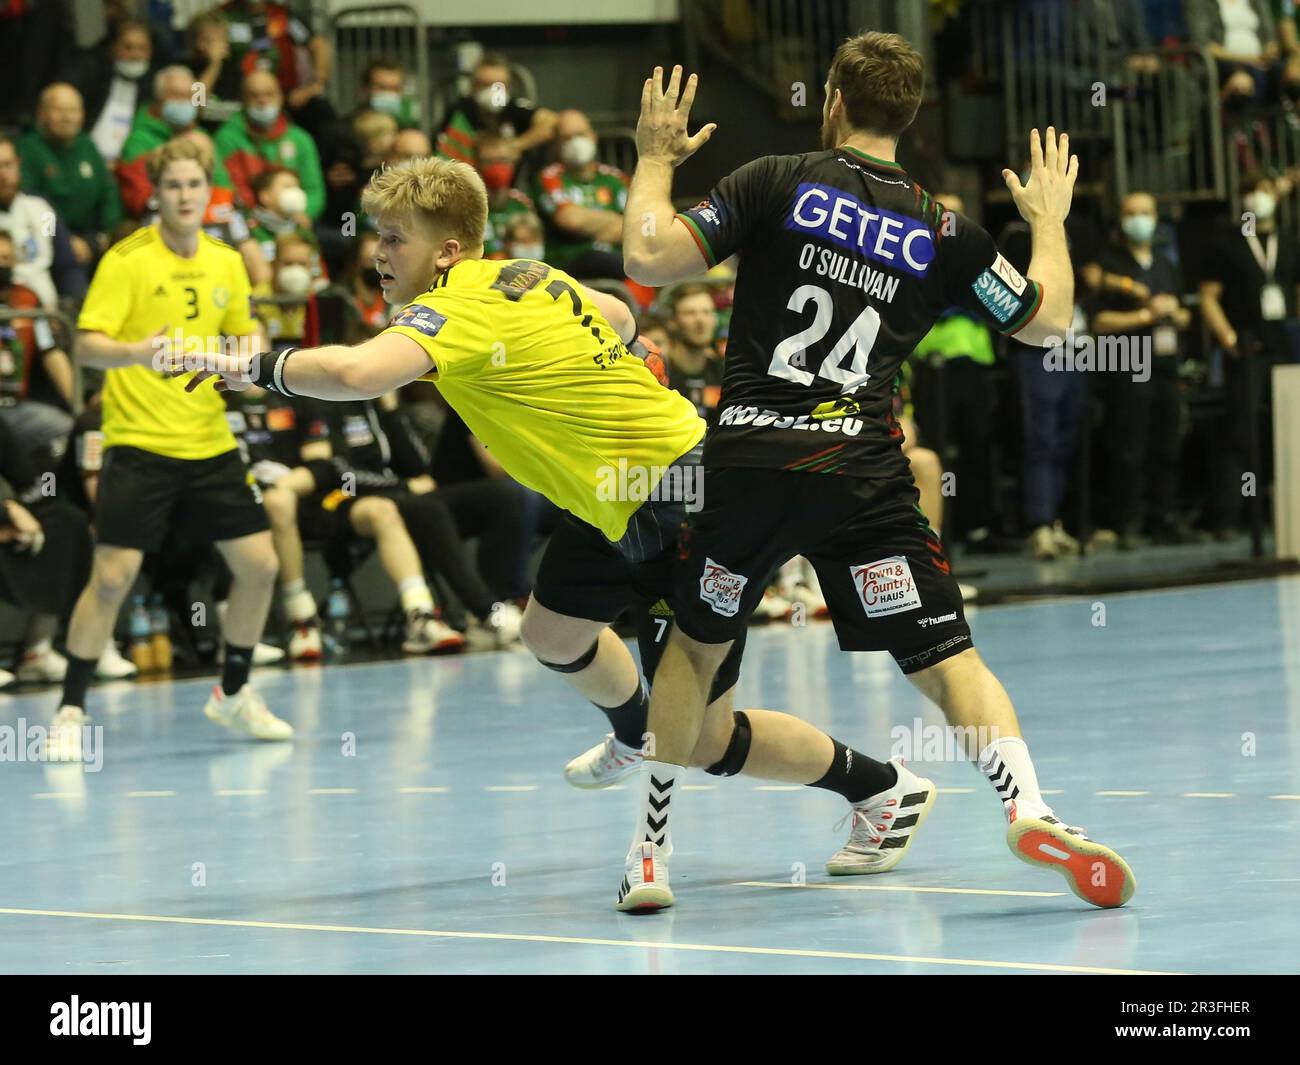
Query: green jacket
[74,179]
[244,153]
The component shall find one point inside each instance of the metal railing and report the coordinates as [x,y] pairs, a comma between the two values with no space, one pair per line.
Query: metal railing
[380,31]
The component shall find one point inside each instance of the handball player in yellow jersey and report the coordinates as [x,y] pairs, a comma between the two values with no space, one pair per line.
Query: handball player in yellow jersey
[170,459]
[539,368]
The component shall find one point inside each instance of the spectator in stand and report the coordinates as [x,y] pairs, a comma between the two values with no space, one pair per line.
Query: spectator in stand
[383,89]
[582,202]
[523,238]
[171,112]
[114,86]
[370,312]
[269,37]
[496,165]
[45,552]
[62,165]
[209,54]
[1247,293]
[297,323]
[280,207]
[45,262]
[1143,415]
[962,401]
[410,144]
[261,136]
[1241,37]
[41,428]
[694,366]
[490,110]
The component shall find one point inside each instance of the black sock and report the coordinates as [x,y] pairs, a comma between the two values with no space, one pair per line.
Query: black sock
[856,776]
[77,680]
[239,660]
[629,720]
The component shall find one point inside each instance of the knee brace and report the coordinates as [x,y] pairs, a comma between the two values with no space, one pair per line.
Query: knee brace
[733,759]
[578,664]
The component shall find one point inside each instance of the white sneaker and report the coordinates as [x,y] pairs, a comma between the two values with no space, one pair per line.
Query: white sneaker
[504,623]
[42,666]
[64,743]
[1066,543]
[607,763]
[645,880]
[112,666]
[305,643]
[773,606]
[428,634]
[6,678]
[245,711]
[969,593]
[266,654]
[884,825]
[1043,545]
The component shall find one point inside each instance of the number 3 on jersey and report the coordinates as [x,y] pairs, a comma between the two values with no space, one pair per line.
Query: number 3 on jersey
[859,339]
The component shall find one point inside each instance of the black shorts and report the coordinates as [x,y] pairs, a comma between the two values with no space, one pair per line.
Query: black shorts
[584,575]
[142,495]
[882,569]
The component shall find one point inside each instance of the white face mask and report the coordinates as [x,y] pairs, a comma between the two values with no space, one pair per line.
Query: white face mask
[492,98]
[1261,204]
[293,280]
[292,201]
[579,151]
[131,69]
[527,251]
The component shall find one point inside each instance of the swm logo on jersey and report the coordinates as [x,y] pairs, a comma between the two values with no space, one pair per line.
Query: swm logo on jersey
[996,296]
[721,588]
[894,239]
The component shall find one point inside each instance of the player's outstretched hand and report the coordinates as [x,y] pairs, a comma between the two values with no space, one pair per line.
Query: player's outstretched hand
[661,129]
[233,372]
[1052,172]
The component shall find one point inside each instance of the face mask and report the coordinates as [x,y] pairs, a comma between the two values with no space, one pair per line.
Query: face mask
[131,69]
[579,151]
[1139,227]
[497,176]
[370,277]
[491,98]
[178,113]
[292,201]
[388,103]
[293,280]
[527,251]
[1261,204]
[6,276]
[263,116]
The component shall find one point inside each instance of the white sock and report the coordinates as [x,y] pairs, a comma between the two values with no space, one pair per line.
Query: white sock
[299,603]
[657,780]
[415,595]
[1010,770]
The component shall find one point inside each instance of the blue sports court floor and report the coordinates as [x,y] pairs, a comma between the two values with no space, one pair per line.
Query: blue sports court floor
[420,822]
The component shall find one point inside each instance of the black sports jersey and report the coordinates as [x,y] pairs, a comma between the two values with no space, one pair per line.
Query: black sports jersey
[845,263]
[269,428]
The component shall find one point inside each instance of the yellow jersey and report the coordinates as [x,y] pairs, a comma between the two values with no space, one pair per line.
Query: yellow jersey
[543,380]
[139,287]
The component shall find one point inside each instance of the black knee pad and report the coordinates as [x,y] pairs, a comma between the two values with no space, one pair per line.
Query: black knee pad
[733,759]
[578,664]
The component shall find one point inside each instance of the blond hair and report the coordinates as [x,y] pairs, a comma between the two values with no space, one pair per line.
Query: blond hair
[176,150]
[449,197]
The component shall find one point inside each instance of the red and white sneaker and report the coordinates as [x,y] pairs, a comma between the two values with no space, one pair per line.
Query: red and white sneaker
[607,763]
[1094,872]
[645,880]
[305,643]
[427,634]
[245,711]
[884,825]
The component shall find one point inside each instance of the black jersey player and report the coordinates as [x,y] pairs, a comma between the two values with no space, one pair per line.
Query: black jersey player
[845,262]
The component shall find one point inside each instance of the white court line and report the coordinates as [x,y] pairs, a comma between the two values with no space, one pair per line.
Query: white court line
[331,791]
[903,887]
[1124,793]
[581,941]
[422,791]
[225,792]
[956,791]
[1285,797]
[58,795]
[511,787]
[1051,791]
[1207,795]
[150,794]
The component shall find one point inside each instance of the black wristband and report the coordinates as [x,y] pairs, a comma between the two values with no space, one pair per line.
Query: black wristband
[272,377]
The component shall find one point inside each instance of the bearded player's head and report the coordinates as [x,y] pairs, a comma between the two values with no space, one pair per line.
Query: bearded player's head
[874,88]
[430,213]
[182,180]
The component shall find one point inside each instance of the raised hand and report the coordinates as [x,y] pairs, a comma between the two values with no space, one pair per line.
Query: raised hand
[661,130]
[1052,173]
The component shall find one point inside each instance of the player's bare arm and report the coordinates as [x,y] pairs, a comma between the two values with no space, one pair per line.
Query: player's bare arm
[658,249]
[1044,202]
